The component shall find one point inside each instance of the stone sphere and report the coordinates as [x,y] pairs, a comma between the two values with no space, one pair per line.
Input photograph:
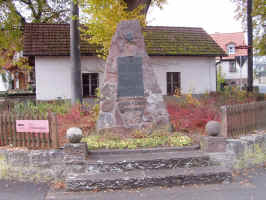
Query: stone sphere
[74,135]
[213,128]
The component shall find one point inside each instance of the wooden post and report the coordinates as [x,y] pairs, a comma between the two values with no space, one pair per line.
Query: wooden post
[20,134]
[38,134]
[14,130]
[224,124]
[6,129]
[49,134]
[2,133]
[54,130]
[44,135]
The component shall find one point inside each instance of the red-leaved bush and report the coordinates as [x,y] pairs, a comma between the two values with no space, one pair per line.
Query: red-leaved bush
[76,117]
[191,118]
[191,114]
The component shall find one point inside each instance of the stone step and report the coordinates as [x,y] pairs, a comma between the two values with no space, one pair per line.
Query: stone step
[147,178]
[194,147]
[159,160]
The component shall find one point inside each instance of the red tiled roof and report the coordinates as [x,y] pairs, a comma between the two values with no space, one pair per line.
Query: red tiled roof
[223,39]
[53,40]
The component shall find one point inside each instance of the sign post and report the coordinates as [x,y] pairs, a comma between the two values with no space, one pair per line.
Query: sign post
[241,61]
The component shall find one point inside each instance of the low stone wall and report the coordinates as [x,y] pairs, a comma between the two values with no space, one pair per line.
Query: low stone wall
[55,165]
[244,152]
[32,165]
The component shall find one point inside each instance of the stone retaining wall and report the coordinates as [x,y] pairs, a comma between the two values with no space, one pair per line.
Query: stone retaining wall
[33,165]
[53,165]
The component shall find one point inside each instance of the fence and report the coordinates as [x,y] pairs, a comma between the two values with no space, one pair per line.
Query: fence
[10,136]
[238,120]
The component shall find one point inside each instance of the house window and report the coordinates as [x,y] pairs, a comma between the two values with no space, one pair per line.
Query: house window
[232,66]
[231,49]
[173,82]
[90,81]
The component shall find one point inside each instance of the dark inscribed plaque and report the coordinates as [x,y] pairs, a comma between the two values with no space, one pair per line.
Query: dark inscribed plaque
[130,77]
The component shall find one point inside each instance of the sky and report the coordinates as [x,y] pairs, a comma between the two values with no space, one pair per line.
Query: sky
[211,15]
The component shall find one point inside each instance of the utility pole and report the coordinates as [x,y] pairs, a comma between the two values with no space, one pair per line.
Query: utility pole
[75,77]
[250,45]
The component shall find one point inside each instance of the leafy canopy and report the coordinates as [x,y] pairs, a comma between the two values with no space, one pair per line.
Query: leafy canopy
[14,14]
[102,16]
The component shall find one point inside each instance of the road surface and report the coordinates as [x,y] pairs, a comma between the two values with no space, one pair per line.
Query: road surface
[249,185]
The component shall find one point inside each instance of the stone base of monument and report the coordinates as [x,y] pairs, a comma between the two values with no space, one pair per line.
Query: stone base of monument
[146,169]
[75,152]
[213,144]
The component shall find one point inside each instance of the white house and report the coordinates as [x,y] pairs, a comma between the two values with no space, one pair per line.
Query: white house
[234,45]
[183,58]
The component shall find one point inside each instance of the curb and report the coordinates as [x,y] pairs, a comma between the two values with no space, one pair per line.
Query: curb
[148,150]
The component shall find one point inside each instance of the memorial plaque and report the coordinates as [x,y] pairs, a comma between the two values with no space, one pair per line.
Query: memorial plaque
[130,77]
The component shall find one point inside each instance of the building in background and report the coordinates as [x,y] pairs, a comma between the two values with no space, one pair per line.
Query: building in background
[183,60]
[14,77]
[234,45]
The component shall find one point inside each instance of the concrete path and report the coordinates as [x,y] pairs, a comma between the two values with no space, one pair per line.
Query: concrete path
[249,185]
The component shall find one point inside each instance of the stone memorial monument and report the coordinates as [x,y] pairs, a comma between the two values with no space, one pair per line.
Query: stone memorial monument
[130,96]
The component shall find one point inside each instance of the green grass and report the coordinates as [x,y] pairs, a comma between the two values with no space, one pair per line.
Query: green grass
[109,141]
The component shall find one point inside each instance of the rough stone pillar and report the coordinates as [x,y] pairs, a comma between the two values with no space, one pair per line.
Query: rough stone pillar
[213,144]
[75,156]
[131,96]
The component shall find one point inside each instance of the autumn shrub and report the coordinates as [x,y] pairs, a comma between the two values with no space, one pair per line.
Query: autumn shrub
[190,113]
[232,95]
[79,115]
[191,118]
[83,116]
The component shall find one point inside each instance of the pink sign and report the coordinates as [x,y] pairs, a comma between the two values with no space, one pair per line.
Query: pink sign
[32,126]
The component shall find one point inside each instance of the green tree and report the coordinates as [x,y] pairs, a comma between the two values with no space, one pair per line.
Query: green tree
[14,14]
[102,16]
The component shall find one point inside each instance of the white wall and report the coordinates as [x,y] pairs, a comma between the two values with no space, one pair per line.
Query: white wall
[3,85]
[225,69]
[198,74]
[53,74]
[93,64]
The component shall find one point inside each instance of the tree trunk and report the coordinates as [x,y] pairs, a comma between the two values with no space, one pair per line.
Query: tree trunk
[76,93]
[132,4]
[250,46]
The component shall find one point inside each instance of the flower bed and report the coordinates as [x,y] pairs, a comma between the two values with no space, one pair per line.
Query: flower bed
[139,140]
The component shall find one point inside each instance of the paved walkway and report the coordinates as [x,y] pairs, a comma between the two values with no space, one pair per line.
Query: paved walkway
[250,185]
